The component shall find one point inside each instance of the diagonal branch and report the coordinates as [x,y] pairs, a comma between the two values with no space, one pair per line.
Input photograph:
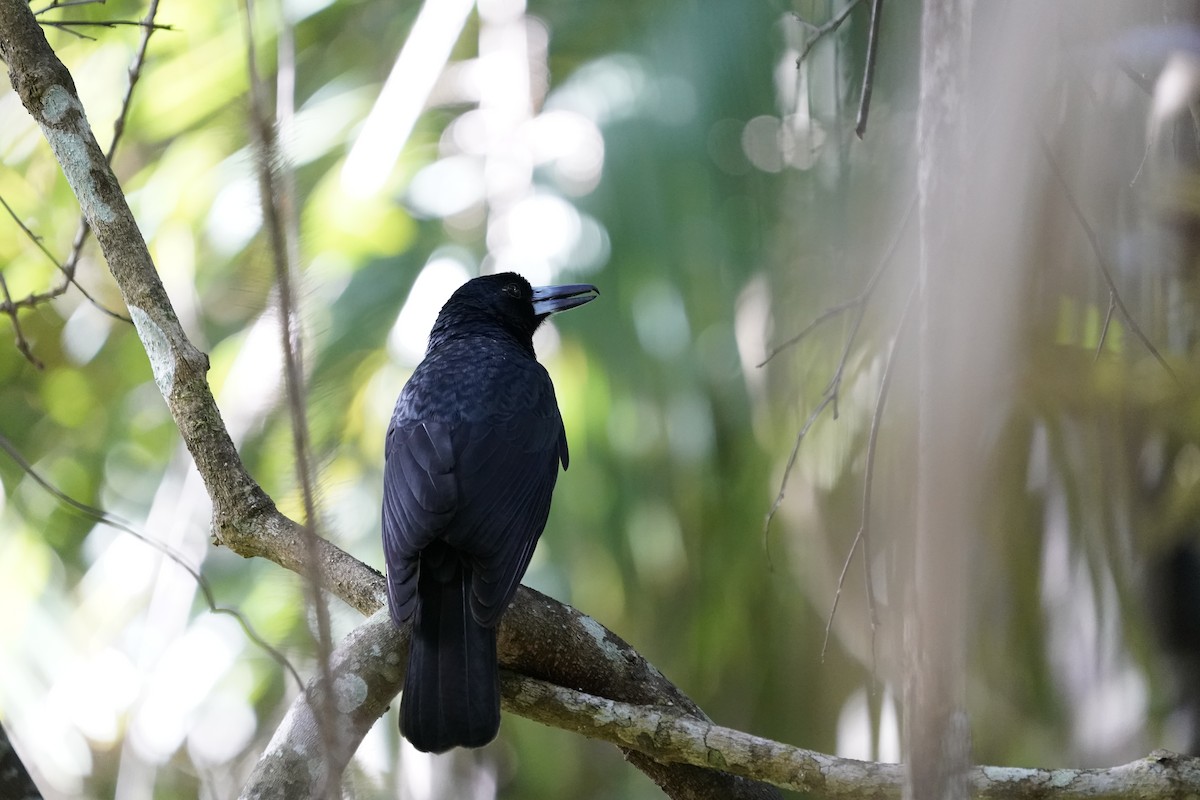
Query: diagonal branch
[830,395]
[856,301]
[276,201]
[68,275]
[1114,297]
[863,536]
[368,672]
[135,74]
[659,729]
[820,32]
[868,82]
[9,308]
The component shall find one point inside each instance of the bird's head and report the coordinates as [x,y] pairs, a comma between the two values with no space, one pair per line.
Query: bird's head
[506,301]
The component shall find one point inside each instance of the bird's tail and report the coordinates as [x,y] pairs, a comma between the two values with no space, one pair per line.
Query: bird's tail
[452,687]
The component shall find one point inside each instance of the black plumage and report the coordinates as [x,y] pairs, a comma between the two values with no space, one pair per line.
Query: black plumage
[472,456]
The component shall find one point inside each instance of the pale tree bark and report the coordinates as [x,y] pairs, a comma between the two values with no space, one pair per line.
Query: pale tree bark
[663,732]
[937,735]
[983,106]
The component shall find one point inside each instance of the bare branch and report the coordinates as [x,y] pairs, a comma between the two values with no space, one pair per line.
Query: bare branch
[787,472]
[36,299]
[1112,304]
[863,535]
[669,736]
[824,316]
[829,27]
[536,632]
[864,97]
[830,395]
[1114,296]
[32,300]
[366,671]
[67,4]
[22,342]
[859,299]
[48,93]
[276,202]
[69,25]
[659,729]
[135,73]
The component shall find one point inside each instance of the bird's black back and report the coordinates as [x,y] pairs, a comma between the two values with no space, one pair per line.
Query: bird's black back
[472,457]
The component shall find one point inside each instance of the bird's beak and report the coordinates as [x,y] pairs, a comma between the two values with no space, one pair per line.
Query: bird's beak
[551,299]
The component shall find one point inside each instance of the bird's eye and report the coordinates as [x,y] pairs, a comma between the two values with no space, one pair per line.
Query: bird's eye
[512,290]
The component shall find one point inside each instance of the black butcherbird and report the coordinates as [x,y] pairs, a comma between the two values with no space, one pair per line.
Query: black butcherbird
[471,459]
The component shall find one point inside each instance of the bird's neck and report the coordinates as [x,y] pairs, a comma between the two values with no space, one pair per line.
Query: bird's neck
[487,336]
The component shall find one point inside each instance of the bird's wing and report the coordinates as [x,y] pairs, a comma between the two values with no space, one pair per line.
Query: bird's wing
[420,495]
[506,473]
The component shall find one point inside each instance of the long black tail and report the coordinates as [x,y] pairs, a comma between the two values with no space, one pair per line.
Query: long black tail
[452,687]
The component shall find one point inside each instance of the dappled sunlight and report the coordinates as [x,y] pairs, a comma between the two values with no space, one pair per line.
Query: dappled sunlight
[387,127]
[1105,690]
[433,286]
[180,681]
[862,735]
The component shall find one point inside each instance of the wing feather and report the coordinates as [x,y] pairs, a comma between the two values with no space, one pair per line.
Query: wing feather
[420,495]
[513,469]
[482,486]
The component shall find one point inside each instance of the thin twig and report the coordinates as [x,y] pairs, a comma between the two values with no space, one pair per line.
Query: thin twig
[67,29]
[113,521]
[864,98]
[787,471]
[858,299]
[35,299]
[830,394]
[67,4]
[829,27]
[1141,164]
[273,194]
[1102,261]
[1112,304]
[22,342]
[863,535]
[828,397]
[824,316]
[67,24]
[135,73]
